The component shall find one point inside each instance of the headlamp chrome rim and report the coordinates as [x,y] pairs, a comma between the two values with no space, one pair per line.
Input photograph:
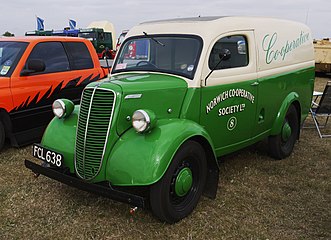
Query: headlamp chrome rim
[147,120]
[63,107]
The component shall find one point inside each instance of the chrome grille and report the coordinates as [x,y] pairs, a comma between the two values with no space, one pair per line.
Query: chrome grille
[94,121]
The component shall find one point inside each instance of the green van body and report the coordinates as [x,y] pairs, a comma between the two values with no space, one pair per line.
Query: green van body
[230,109]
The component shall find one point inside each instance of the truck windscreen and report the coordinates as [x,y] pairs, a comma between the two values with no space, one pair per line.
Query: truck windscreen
[174,54]
[10,53]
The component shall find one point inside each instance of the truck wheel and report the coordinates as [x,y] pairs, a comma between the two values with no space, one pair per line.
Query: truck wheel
[178,192]
[2,135]
[281,145]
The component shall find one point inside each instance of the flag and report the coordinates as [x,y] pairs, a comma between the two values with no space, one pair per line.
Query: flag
[72,24]
[40,24]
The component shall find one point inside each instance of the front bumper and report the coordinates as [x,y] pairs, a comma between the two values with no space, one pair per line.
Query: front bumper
[59,175]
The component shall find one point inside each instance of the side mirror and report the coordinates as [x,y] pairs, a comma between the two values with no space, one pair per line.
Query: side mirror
[225,54]
[106,54]
[33,66]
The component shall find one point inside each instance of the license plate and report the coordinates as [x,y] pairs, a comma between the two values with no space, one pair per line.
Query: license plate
[49,156]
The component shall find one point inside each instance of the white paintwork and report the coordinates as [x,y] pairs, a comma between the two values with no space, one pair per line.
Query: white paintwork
[256,29]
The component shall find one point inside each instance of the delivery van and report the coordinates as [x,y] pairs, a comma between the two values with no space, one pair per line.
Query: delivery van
[204,87]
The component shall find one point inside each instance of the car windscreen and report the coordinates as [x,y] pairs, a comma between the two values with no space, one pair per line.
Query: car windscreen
[10,53]
[174,54]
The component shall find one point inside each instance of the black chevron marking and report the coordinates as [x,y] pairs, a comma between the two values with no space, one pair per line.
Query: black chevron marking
[72,90]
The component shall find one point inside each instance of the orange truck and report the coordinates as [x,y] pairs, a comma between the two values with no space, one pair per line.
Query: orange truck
[35,71]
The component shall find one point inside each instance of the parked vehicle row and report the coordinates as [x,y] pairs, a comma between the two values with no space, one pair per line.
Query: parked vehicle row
[100,33]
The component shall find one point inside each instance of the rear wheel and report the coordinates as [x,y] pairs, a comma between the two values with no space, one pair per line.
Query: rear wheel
[281,145]
[178,192]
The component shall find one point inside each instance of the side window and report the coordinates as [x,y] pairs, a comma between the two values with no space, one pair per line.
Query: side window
[107,36]
[237,44]
[53,54]
[79,55]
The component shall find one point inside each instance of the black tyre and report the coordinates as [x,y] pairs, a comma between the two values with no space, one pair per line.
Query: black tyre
[281,145]
[176,195]
[2,135]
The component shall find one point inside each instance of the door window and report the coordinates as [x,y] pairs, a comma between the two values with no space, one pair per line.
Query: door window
[79,55]
[237,45]
[54,56]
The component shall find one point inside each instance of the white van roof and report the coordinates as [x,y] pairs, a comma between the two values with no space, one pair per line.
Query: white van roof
[202,26]
[289,42]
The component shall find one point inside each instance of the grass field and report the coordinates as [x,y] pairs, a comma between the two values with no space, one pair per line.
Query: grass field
[257,198]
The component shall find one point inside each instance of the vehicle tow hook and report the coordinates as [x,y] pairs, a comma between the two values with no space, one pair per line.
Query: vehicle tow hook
[132,212]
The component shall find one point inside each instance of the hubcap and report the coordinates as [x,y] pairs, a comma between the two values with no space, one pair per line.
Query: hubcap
[286,131]
[183,182]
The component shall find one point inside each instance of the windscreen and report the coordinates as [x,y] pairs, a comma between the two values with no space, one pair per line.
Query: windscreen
[177,55]
[10,53]
[91,36]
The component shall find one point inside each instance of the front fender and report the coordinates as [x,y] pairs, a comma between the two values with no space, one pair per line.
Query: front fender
[60,136]
[142,159]
[278,123]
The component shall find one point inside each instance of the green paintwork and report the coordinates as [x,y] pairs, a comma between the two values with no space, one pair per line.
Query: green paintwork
[279,118]
[228,133]
[183,182]
[60,136]
[69,107]
[279,92]
[133,159]
[159,94]
[286,131]
[260,118]
[142,159]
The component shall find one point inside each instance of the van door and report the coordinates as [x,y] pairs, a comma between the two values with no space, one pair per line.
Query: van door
[65,76]
[229,95]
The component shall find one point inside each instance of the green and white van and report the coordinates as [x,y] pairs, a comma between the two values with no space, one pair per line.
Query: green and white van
[182,93]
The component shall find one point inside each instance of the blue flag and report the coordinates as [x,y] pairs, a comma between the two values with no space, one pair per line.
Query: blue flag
[40,24]
[72,24]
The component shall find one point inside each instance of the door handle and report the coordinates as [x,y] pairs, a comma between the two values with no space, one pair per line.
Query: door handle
[255,83]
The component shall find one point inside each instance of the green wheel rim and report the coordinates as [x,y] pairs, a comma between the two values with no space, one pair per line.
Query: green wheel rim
[184,182]
[286,132]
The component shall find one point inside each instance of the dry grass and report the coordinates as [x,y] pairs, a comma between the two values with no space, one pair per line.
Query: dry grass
[258,198]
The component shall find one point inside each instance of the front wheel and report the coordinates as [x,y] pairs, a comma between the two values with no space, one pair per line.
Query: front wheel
[176,195]
[281,145]
[2,135]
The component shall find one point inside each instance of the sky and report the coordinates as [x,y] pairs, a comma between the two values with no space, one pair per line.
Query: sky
[20,16]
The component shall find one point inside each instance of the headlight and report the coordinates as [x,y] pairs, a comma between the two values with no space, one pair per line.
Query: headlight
[143,120]
[62,107]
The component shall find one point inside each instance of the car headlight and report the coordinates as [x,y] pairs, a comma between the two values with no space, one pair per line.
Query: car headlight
[62,108]
[143,120]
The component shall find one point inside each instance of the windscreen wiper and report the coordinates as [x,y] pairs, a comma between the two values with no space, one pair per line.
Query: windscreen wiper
[157,41]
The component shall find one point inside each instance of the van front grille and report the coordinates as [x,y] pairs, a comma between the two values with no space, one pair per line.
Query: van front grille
[94,121]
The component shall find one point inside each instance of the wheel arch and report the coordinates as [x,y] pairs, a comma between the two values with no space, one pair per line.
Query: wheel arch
[154,151]
[210,189]
[297,106]
[7,123]
[291,98]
